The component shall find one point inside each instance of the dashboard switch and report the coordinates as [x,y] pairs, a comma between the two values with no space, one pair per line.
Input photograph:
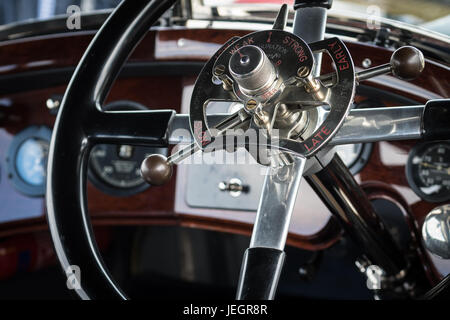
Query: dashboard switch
[234,187]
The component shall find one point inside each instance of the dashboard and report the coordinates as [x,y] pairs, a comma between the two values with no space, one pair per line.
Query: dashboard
[113,169]
[412,175]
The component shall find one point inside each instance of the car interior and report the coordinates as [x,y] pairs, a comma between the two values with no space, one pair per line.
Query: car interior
[216,150]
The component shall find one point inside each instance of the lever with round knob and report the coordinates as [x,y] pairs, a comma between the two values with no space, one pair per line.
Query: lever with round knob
[406,63]
[156,170]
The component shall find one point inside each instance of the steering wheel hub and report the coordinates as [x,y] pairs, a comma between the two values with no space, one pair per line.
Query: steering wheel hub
[271,74]
[252,70]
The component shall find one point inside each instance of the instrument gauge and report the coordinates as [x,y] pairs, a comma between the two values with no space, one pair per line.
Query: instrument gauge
[31,161]
[27,160]
[115,168]
[428,171]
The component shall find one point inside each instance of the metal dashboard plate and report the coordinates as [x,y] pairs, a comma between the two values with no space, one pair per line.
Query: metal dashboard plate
[203,180]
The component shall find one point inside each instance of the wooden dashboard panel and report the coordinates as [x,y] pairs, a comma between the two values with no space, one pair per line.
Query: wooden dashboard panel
[156,205]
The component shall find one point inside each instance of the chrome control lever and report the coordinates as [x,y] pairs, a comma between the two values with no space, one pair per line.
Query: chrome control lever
[406,63]
[157,170]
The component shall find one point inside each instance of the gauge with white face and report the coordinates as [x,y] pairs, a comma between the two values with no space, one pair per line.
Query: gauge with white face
[31,161]
[428,171]
[27,160]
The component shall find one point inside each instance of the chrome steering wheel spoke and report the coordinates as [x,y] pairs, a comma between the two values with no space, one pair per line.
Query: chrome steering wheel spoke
[270,232]
[277,202]
[381,124]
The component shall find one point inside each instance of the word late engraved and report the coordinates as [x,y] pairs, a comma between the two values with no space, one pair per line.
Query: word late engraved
[317,139]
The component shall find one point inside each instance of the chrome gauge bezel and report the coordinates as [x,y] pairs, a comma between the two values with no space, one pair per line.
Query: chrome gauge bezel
[410,172]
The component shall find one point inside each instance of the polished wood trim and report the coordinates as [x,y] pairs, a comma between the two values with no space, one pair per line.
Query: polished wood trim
[65,50]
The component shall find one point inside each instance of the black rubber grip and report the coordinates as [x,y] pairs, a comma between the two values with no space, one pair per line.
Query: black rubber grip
[436,120]
[260,272]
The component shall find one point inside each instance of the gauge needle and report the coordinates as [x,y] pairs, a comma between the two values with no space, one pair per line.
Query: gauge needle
[429,165]
[437,168]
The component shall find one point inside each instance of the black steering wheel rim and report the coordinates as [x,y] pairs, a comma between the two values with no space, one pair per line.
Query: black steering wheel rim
[78,126]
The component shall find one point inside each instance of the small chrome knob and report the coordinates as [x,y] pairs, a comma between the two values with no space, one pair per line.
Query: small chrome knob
[252,69]
[156,170]
[407,63]
[436,231]
[53,103]
[234,187]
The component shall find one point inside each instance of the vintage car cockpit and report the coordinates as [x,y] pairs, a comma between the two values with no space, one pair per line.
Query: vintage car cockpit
[224,149]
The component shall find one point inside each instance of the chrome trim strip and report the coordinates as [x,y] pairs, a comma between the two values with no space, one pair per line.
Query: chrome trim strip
[361,125]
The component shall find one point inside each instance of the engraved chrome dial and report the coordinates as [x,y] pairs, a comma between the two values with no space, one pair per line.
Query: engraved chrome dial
[271,74]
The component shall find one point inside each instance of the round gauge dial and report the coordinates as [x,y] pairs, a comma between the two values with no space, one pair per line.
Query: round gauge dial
[27,160]
[31,161]
[117,167]
[428,171]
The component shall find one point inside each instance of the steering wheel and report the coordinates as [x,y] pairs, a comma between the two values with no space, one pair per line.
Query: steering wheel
[296,114]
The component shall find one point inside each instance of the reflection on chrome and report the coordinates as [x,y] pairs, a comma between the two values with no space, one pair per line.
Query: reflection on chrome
[436,231]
